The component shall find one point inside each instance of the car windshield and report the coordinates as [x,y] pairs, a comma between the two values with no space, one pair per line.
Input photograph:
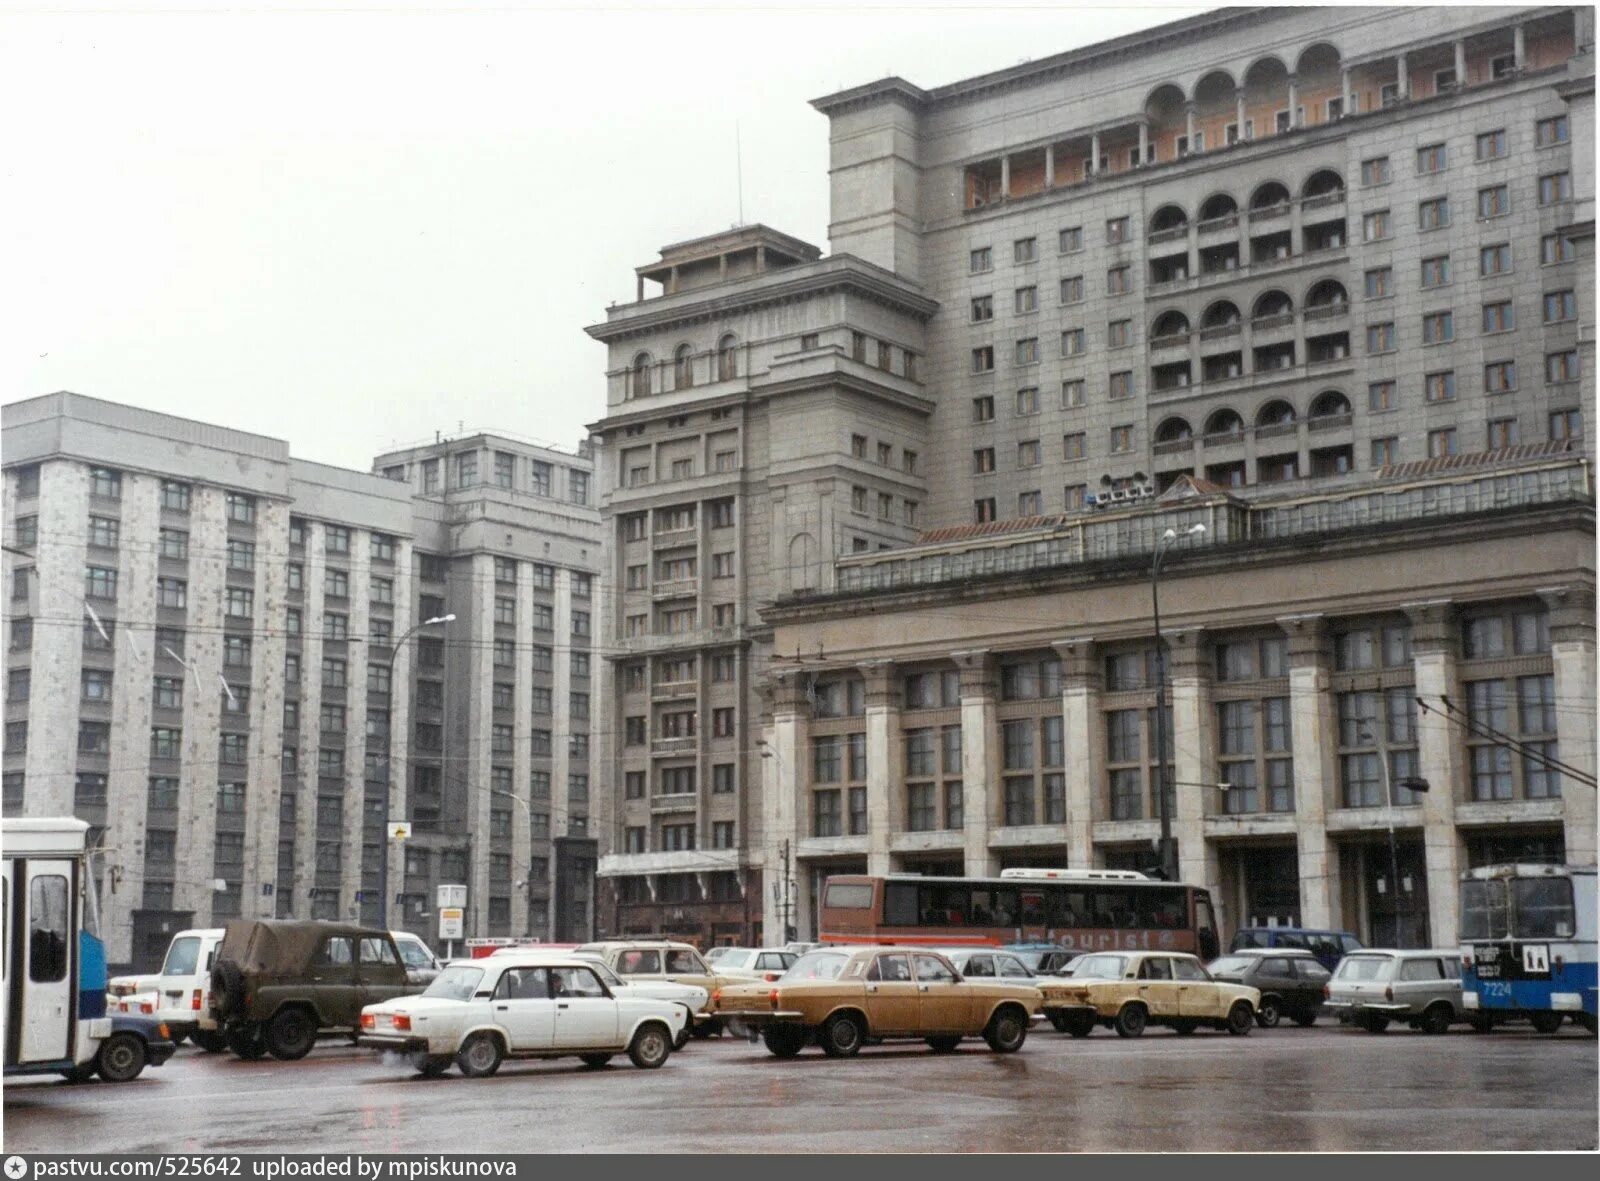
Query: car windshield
[716,953]
[1238,964]
[414,954]
[1030,959]
[816,965]
[1363,967]
[605,973]
[735,959]
[183,957]
[1102,967]
[455,983]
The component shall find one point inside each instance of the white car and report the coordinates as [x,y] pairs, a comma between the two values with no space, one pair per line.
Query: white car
[478,1013]
[421,964]
[692,997]
[754,963]
[180,994]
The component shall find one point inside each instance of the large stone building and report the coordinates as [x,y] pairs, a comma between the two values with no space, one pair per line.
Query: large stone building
[200,644]
[1316,278]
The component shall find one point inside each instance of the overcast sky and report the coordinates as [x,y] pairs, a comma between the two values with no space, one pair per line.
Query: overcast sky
[354,228]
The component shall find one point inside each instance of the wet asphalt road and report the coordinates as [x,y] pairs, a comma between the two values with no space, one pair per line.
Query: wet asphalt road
[1323,1089]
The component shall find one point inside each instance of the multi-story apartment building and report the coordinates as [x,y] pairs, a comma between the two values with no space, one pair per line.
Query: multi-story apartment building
[1250,259]
[202,639]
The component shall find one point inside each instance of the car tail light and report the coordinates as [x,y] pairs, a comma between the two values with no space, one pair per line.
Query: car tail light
[195,1002]
[401,1021]
[773,997]
[165,1034]
[368,1021]
[146,1007]
[770,977]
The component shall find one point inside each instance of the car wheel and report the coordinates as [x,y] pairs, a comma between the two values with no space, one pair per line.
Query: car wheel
[651,1046]
[1546,1022]
[594,1061]
[121,1058]
[1131,1020]
[480,1055]
[227,988]
[1373,1023]
[1184,1028]
[246,1041]
[1305,1020]
[291,1034]
[431,1065]
[209,1040]
[1269,1014]
[842,1035]
[944,1045]
[1437,1019]
[1081,1024]
[1007,1030]
[784,1041]
[1240,1019]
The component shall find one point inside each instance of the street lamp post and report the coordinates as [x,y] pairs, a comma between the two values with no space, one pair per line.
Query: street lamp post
[1169,851]
[527,809]
[388,794]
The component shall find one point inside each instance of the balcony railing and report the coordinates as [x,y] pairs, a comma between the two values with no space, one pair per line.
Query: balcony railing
[1226,222]
[677,588]
[1171,234]
[1268,212]
[1170,340]
[1327,311]
[673,746]
[674,689]
[1331,422]
[1268,323]
[1220,331]
[1323,199]
[1174,446]
[1224,439]
[1272,430]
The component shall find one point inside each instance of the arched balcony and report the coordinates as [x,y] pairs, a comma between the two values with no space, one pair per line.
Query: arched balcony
[1270,199]
[1165,123]
[1218,212]
[1326,299]
[1330,410]
[1272,309]
[1323,187]
[1224,426]
[1277,417]
[1170,330]
[1174,435]
[1168,223]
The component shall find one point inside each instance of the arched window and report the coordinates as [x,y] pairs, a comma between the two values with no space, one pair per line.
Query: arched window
[727,358]
[1330,404]
[683,367]
[1225,422]
[1275,413]
[641,375]
[1174,430]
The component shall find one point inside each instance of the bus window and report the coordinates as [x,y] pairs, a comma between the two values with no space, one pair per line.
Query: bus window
[1114,909]
[1068,908]
[1032,908]
[1483,910]
[1205,927]
[945,905]
[1542,908]
[849,895]
[1162,909]
[47,928]
[994,908]
[900,904]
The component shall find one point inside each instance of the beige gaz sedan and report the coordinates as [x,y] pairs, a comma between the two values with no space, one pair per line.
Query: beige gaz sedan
[1129,990]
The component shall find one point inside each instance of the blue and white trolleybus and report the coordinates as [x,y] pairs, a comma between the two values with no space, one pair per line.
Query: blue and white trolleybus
[1528,944]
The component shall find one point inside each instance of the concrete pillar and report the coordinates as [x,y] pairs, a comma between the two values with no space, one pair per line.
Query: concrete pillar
[1005,177]
[202,704]
[1572,649]
[1193,756]
[1188,128]
[1440,760]
[1346,96]
[1144,142]
[1083,733]
[264,784]
[1315,739]
[522,757]
[1519,46]
[1050,166]
[980,760]
[1238,114]
[885,758]
[1461,63]
[1294,100]
[785,807]
[1402,77]
[1094,154]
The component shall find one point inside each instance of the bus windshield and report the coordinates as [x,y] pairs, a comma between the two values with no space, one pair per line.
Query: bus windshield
[1483,910]
[1542,908]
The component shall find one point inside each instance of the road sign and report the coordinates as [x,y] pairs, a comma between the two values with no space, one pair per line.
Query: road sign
[452,895]
[452,922]
[399,830]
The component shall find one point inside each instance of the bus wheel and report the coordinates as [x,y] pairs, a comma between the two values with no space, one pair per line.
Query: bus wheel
[1587,1020]
[1546,1022]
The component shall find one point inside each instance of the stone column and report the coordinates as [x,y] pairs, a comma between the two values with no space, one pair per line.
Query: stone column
[1519,47]
[1094,154]
[1144,141]
[980,760]
[885,756]
[1461,63]
[1050,166]
[1193,756]
[1402,77]
[1083,733]
[1294,101]
[1572,649]
[1005,177]
[1346,96]
[1315,739]
[1188,128]
[785,810]
[1440,759]
[1238,114]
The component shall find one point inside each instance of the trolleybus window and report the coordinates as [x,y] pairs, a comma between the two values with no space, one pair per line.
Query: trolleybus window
[47,928]
[1543,908]
[850,895]
[1483,910]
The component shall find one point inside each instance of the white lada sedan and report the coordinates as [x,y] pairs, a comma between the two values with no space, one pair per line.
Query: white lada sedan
[478,1013]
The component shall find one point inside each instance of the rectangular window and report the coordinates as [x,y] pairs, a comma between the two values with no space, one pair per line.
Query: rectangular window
[1385,451]
[1119,334]
[1502,432]
[1381,395]
[1072,342]
[1070,240]
[1440,387]
[1116,230]
[1551,131]
[1499,377]
[1380,282]
[1492,144]
[1438,328]
[983,359]
[983,409]
[1028,351]
[103,532]
[100,582]
[1119,281]
[1494,201]
[174,496]
[980,260]
[1380,338]
[1072,289]
[1555,187]
[1433,214]
[1376,226]
[1431,158]
[1560,367]
[1072,394]
[241,508]
[105,482]
[1436,271]
[1560,306]
[1025,300]
[1566,426]
[1499,317]
[1495,260]
[1442,442]
[1375,171]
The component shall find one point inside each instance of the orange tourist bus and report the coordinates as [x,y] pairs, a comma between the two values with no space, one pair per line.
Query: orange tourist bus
[1079,909]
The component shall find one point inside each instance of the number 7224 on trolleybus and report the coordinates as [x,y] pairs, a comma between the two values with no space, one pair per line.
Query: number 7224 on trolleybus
[1079,909]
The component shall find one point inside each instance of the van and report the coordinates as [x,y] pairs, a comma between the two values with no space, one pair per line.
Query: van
[1328,946]
[180,994]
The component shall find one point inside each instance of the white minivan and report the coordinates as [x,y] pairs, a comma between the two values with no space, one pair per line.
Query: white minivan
[180,994]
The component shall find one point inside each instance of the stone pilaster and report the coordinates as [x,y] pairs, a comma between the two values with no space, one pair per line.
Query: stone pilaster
[1572,651]
[885,761]
[1314,737]
[980,758]
[1193,759]
[1440,758]
[786,805]
[1084,734]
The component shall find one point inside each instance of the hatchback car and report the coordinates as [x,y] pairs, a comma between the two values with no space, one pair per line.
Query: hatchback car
[1421,988]
[1290,982]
